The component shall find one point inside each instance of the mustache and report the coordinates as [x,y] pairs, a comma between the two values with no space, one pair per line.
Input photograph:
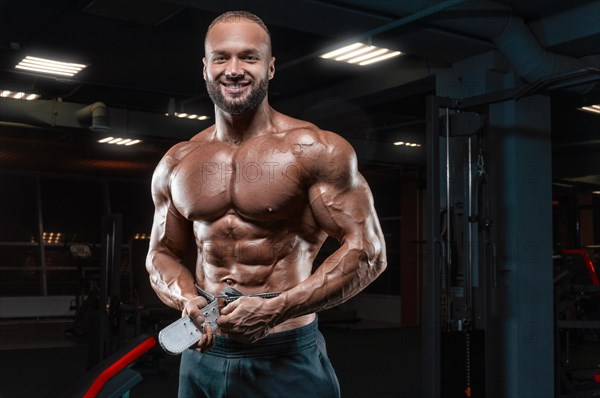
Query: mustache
[233,79]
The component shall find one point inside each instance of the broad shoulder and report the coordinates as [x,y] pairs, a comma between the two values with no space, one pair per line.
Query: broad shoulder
[183,148]
[309,141]
[323,154]
[173,156]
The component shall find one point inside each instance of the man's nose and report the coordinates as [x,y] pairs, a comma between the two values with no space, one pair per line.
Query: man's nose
[234,68]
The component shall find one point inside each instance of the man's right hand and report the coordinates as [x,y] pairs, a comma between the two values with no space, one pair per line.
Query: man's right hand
[193,309]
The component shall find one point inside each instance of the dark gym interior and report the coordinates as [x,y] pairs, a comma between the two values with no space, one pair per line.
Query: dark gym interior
[480,142]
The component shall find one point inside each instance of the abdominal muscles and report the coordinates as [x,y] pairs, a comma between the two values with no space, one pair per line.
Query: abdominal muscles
[252,257]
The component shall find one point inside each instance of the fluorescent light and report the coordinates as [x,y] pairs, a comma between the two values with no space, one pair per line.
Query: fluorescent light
[367,56]
[408,144]
[560,184]
[192,116]
[591,108]
[360,54]
[119,141]
[342,50]
[49,66]
[355,53]
[596,192]
[380,58]
[18,95]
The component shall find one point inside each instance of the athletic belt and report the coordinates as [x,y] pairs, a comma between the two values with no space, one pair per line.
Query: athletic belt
[230,294]
[183,333]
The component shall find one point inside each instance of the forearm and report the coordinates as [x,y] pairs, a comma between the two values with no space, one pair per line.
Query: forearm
[170,279]
[341,276]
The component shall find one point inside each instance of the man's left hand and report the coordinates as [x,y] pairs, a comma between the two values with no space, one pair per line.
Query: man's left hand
[246,319]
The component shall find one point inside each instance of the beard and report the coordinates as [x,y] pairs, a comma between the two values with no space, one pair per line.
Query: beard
[238,105]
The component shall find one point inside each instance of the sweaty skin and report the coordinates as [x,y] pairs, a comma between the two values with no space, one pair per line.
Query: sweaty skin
[257,194]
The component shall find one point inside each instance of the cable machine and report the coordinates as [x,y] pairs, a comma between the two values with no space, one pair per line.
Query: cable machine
[459,230]
[463,294]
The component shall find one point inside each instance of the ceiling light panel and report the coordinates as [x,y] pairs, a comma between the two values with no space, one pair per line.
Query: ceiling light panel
[591,108]
[407,144]
[192,116]
[18,95]
[49,66]
[360,54]
[119,141]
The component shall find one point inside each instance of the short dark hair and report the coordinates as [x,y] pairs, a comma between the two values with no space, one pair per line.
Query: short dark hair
[236,16]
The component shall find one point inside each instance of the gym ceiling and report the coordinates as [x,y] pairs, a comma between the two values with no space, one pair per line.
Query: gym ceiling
[143,61]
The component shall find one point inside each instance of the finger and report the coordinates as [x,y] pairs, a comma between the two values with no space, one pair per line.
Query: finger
[223,322]
[198,320]
[201,343]
[229,308]
[208,330]
[210,337]
[194,306]
[207,340]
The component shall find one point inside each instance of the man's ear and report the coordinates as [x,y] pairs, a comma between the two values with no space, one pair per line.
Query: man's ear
[204,67]
[272,68]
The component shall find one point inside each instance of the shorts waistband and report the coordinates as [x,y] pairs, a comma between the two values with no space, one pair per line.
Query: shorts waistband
[279,343]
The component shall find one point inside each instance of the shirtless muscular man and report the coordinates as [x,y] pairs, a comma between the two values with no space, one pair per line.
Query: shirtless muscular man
[258,193]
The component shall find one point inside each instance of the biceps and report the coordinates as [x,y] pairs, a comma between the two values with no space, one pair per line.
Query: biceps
[171,232]
[343,213]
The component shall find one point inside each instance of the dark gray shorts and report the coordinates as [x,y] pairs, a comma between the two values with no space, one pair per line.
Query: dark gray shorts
[291,364]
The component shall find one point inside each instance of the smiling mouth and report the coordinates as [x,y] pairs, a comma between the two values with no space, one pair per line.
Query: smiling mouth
[235,88]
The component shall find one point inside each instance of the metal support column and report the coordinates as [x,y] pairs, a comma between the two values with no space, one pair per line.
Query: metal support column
[430,332]
[104,337]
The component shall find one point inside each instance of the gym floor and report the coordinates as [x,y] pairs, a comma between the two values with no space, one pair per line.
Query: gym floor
[370,359]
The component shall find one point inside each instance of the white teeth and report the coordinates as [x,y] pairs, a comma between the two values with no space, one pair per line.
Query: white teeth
[235,86]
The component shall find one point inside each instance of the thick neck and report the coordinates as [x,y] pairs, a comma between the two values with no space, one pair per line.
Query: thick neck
[237,128]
